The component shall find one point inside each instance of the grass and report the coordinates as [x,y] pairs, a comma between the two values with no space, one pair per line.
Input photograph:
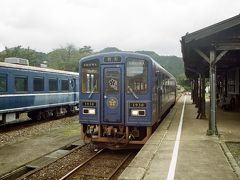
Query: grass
[70,130]
[234,148]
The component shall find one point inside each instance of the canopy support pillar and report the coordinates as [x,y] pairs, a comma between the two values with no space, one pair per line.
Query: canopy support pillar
[212,129]
[203,85]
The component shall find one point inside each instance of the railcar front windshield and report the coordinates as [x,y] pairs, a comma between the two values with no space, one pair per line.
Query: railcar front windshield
[90,76]
[136,76]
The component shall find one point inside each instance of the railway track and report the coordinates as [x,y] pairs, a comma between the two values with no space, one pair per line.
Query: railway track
[49,167]
[81,162]
[102,165]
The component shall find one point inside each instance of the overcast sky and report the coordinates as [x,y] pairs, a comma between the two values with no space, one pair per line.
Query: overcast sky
[155,25]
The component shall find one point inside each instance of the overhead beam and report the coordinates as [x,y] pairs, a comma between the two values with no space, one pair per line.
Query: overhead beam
[220,56]
[192,70]
[227,46]
[204,56]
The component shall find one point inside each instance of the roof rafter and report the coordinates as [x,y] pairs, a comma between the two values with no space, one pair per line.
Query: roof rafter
[204,56]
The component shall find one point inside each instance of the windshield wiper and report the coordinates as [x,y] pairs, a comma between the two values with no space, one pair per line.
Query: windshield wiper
[133,93]
[90,95]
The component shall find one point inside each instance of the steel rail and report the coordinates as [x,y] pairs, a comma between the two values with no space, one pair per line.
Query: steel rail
[117,168]
[16,174]
[80,165]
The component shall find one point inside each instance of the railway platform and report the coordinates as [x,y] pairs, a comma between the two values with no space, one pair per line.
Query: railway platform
[180,148]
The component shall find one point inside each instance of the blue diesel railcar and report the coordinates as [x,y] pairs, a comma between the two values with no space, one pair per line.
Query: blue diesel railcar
[123,97]
[41,92]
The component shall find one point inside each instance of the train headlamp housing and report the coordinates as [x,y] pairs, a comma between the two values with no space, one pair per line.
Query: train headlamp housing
[91,111]
[138,112]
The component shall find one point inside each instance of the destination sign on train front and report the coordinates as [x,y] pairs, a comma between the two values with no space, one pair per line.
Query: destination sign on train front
[91,64]
[112,59]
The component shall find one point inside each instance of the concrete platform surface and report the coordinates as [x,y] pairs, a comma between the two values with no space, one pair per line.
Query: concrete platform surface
[199,157]
[28,149]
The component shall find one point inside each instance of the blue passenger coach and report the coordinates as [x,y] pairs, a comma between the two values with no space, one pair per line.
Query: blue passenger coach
[41,92]
[122,98]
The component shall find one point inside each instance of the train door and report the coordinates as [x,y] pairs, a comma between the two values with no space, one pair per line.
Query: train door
[112,94]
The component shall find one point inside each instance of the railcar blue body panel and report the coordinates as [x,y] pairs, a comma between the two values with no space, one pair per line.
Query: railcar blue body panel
[23,102]
[13,101]
[121,115]
[139,120]
[90,119]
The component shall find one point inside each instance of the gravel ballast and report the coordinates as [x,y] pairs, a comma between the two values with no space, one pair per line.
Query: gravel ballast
[40,128]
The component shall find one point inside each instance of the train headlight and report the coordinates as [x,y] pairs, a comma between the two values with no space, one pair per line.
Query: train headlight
[138,112]
[91,111]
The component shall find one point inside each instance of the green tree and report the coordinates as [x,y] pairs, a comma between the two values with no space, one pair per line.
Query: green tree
[86,50]
[35,58]
[172,64]
[184,82]
[67,58]
[110,49]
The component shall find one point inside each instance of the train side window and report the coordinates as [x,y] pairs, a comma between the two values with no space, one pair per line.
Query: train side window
[53,84]
[164,84]
[136,75]
[156,81]
[167,85]
[21,84]
[3,83]
[72,83]
[38,84]
[64,85]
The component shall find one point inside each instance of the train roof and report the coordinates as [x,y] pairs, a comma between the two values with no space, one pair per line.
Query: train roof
[122,53]
[32,68]
[128,53]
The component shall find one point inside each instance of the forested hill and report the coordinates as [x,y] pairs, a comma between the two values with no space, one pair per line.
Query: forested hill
[172,64]
[110,49]
[67,58]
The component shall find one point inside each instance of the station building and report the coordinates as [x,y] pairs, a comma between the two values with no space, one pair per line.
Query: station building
[214,53]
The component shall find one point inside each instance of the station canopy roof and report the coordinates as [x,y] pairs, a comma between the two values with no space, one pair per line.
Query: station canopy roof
[223,37]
